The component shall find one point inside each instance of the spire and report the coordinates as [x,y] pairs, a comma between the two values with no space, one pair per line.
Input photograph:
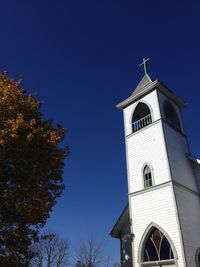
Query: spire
[146,80]
[145,86]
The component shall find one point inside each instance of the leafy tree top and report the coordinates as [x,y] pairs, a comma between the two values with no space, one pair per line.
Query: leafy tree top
[31,166]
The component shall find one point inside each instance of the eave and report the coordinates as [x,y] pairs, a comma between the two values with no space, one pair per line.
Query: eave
[149,88]
[194,160]
[124,216]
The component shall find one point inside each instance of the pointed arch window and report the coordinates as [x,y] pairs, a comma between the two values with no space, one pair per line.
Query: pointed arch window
[141,117]
[157,247]
[147,175]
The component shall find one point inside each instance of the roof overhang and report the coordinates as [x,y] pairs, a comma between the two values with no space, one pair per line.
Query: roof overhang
[149,88]
[194,160]
[121,221]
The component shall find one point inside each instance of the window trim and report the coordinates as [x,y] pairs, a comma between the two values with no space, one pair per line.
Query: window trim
[152,175]
[133,110]
[143,242]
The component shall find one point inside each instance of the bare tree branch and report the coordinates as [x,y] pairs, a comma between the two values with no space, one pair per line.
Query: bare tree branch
[51,251]
[91,253]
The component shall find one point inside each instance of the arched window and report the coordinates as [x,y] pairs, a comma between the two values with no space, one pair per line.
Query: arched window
[171,116]
[157,248]
[141,117]
[147,175]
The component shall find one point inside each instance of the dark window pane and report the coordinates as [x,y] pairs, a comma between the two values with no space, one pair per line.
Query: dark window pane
[153,256]
[146,258]
[157,247]
[165,249]
[171,254]
[147,177]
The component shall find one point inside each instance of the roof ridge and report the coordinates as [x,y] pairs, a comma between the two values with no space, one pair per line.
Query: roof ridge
[146,80]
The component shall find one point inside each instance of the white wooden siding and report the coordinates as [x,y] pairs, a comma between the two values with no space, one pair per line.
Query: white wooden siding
[159,145]
[189,213]
[181,167]
[155,206]
[147,146]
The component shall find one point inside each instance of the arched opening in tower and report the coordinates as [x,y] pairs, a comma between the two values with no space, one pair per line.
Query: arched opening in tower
[171,116]
[141,117]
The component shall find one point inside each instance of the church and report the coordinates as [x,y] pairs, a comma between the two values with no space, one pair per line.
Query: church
[160,226]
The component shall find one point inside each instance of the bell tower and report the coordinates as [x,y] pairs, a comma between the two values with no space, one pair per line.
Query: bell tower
[163,179]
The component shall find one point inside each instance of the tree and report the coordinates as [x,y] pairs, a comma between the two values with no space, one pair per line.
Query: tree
[51,251]
[31,168]
[79,264]
[91,253]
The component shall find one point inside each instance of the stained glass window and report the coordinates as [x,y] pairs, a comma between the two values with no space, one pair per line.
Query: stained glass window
[157,247]
[147,177]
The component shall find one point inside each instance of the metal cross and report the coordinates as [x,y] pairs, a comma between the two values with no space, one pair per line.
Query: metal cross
[144,64]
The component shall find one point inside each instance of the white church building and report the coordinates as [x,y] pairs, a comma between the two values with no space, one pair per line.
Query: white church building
[160,226]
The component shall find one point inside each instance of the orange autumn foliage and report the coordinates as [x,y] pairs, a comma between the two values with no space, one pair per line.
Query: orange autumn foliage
[31,170]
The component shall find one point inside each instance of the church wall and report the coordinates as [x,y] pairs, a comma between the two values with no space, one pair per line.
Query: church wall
[150,99]
[164,149]
[157,207]
[181,167]
[147,146]
[189,213]
[196,169]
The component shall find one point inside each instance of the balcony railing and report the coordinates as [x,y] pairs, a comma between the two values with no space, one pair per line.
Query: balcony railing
[143,122]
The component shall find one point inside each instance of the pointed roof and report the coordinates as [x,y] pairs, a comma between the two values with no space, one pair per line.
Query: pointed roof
[145,86]
[146,80]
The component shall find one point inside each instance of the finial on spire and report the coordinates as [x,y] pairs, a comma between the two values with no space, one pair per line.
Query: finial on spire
[144,64]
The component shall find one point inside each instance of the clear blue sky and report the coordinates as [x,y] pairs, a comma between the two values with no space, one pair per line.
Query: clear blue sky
[82,58]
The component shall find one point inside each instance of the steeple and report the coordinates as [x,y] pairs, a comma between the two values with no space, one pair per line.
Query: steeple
[146,85]
[146,80]
[163,181]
